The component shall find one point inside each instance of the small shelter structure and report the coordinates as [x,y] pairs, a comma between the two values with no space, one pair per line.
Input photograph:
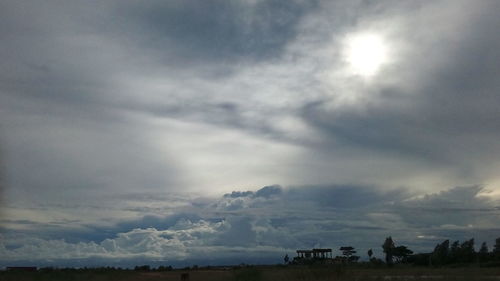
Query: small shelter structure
[314,254]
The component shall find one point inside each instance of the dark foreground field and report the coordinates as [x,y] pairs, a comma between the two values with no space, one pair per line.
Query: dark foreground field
[266,273]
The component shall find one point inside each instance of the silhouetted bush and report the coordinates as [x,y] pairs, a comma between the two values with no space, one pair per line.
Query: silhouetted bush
[142,268]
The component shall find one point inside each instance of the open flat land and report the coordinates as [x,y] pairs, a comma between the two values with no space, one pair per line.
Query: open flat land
[266,273]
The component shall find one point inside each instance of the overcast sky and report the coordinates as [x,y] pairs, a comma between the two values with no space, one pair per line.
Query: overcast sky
[173,132]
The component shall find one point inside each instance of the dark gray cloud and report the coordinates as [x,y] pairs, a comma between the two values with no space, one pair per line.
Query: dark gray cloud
[192,31]
[266,192]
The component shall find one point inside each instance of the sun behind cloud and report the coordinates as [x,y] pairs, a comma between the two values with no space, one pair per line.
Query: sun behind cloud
[365,53]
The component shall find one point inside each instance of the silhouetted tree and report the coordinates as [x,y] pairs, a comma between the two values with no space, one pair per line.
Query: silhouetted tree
[370,254]
[483,254]
[142,268]
[454,252]
[467,252]
[348,252]
[484,248]
[496,249]
[286,259]
[401,254]
[441,253]
[388,247]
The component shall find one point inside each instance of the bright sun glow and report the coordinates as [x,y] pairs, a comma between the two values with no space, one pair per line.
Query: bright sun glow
[365,53]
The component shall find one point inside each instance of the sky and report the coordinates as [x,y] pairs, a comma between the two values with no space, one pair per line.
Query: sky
[217,132]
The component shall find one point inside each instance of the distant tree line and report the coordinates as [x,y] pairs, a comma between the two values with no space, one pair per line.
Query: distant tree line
[107,268]
[445,253]
[140,268]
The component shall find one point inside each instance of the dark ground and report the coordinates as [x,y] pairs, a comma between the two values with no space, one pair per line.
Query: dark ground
[264,273]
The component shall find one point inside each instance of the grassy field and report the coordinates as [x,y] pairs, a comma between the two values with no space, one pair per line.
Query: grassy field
[267,273]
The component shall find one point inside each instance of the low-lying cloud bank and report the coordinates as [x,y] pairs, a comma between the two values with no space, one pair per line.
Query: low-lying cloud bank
[258,226]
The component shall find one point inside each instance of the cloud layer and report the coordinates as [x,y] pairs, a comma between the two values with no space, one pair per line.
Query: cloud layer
[108,106]
[261,226]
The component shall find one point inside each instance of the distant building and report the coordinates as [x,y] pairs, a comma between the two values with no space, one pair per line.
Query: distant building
[308,256]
